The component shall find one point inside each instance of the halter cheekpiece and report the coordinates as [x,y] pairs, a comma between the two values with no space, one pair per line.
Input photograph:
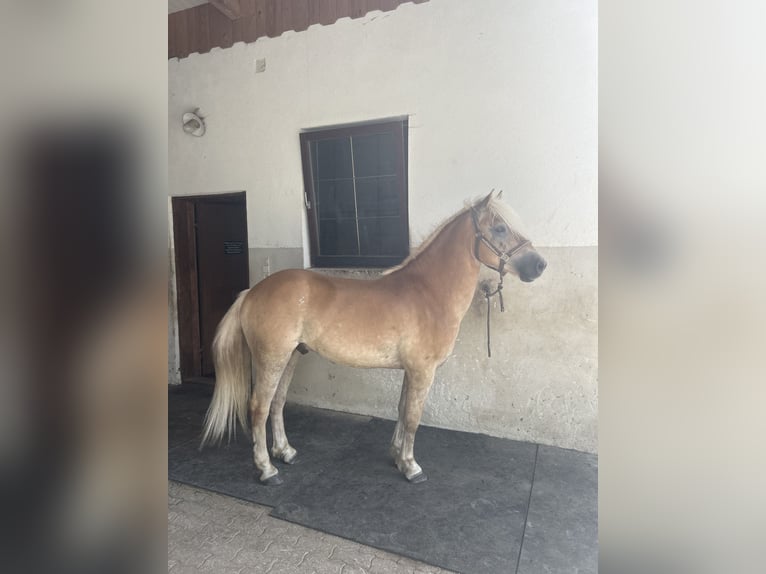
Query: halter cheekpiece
[503,256]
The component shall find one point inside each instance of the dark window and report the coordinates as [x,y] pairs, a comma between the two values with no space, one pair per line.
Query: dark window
[355,181]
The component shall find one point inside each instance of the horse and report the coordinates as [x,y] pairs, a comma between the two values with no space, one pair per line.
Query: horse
[408,319]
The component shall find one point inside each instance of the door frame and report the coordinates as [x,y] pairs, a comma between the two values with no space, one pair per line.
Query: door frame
[187,275]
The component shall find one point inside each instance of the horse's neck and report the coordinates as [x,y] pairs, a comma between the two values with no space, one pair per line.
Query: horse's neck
[448,267]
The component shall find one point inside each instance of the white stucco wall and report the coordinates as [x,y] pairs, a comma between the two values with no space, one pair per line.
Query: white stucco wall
[502,96]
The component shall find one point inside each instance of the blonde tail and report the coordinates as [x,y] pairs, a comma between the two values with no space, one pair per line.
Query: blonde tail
[231,357]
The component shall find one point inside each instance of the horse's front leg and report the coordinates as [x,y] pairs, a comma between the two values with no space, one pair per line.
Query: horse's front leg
[398,438]
[416,390]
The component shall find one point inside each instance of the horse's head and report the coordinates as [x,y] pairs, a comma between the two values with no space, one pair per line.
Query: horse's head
[500,241]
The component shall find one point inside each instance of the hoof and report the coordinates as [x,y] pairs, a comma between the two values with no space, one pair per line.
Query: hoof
[419,477]
[288,455]
[273,480]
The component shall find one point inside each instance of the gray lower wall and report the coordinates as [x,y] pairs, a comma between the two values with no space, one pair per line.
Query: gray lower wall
[267,260]
[540,385]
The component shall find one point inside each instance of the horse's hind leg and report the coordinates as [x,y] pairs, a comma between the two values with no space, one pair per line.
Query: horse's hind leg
[417,386]
[281,448]
[268,371]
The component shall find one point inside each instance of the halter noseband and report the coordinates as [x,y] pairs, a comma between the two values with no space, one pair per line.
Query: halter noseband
[503,256]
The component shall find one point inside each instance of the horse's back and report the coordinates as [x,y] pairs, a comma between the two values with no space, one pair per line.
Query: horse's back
[306,294]
[316,289]
[287,278]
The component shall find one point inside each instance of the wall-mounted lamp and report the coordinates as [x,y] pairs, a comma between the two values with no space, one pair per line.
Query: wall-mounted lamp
[194,124]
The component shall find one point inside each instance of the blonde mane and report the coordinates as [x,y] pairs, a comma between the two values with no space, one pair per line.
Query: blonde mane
[495,207]
[426,242]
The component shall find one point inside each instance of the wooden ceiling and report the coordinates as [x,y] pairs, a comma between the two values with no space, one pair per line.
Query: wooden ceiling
[221,23]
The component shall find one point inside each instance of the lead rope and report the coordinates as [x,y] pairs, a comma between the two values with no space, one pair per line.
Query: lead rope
[488,296]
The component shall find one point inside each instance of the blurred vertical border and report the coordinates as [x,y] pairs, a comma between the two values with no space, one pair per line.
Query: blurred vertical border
[682,367]
[83,288]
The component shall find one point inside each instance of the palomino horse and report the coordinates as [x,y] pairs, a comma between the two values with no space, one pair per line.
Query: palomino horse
[406,319]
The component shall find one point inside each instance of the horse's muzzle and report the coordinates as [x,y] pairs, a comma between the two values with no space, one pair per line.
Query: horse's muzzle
[530,267]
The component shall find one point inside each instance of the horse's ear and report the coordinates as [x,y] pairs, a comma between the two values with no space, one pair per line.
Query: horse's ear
[485,202]
[499,194]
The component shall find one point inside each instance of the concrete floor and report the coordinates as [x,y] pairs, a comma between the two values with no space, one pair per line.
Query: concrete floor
[209,532]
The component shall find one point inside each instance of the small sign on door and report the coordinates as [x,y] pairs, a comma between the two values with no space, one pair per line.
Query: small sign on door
[233,247]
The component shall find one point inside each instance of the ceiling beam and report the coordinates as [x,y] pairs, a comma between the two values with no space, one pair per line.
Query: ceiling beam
[229,8]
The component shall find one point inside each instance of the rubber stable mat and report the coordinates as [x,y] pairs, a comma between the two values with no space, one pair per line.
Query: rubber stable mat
[469,516]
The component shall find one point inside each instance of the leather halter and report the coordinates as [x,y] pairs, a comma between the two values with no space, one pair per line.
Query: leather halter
[503,256]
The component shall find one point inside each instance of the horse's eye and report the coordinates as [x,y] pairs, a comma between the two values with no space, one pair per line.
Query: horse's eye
[499,228]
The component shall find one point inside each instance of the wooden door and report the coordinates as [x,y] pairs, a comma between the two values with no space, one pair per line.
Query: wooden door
[211,256]
[222,266]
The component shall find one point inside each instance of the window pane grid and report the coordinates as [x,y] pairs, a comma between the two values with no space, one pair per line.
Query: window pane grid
[356,209]
[360,218]
[358,178]
[358,195]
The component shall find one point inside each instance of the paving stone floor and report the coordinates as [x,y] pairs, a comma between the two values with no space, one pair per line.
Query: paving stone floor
[212,533]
